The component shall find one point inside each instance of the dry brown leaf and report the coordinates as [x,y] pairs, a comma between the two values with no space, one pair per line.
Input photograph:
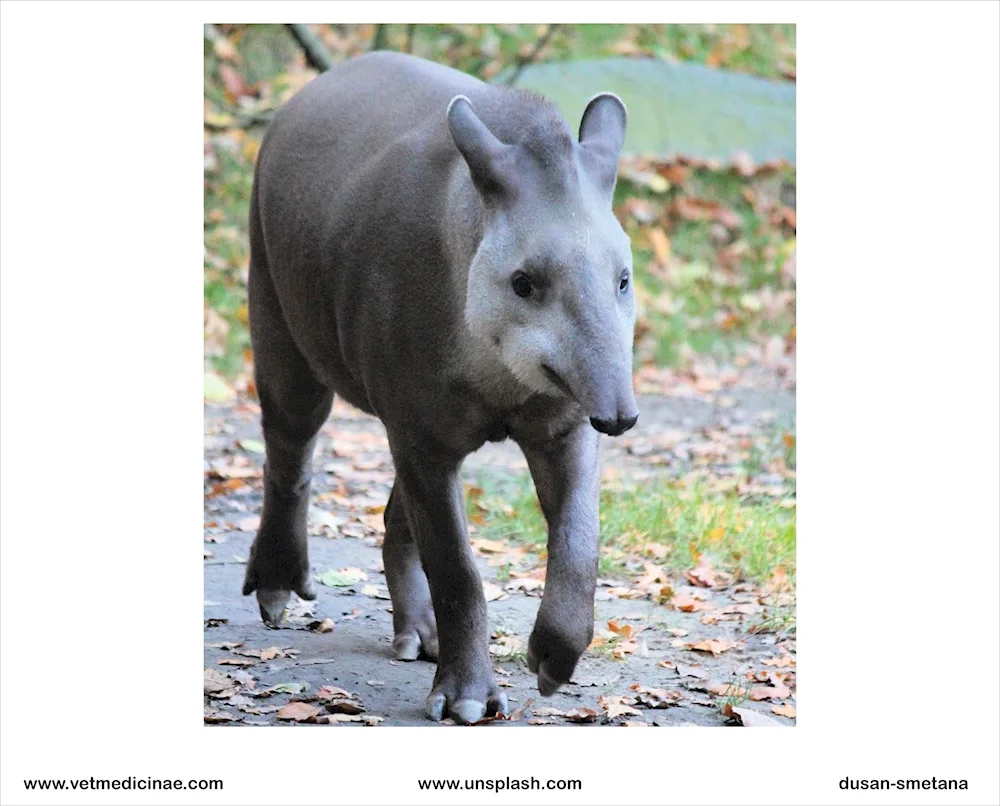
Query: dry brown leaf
[488,546]
[326,625]
[236,662]
[778,692]
[657,697]
[493,592]
[703,574]
[298,712]
[688,604]
[780,662]
[216,681]
[215,715]
[714,645]
[785,709]
[661,245]
[616,705]
[581,714]
[333,719]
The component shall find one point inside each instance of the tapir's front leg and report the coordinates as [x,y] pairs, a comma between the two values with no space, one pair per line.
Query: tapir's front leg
[567,480]
[464,687]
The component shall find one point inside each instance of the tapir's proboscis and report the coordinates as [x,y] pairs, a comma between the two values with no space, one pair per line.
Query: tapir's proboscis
[442,253]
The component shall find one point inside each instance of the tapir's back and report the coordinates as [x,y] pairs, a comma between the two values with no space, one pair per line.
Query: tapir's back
[360,106]
[350,190]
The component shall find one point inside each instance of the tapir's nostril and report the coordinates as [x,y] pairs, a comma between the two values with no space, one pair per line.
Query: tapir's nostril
[616,427]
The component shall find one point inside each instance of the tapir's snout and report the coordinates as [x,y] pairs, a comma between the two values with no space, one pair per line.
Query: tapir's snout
[616,427]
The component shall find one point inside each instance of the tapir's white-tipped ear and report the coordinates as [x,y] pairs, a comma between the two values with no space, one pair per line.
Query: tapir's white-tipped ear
[602,135]
[482,151]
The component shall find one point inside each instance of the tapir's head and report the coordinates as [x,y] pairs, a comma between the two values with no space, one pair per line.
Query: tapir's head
[550,287]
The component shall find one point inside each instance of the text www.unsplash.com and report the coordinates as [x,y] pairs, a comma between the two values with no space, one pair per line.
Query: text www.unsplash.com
[499,784]
[142,784]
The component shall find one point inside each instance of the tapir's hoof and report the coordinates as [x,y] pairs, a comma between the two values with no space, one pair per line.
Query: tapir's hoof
[411,645]
[465,711]
[406,647]
[547,683]
[272,605]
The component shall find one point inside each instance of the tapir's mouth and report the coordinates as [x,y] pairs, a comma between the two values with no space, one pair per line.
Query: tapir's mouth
[554,376]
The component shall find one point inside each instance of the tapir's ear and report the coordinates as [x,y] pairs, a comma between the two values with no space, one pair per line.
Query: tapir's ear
[483,152]
[602,135]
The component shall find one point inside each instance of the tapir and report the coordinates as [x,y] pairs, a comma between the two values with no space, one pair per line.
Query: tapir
[441,253]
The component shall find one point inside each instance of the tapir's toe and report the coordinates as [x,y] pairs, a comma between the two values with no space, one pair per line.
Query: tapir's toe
[465,710]
[551,675]
[272,605]
[406,646]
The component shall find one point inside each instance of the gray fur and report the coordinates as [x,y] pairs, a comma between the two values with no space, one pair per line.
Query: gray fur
[393,200]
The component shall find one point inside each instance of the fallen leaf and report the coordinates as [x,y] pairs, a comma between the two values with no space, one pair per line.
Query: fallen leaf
[252,445]
[249,524]
[715,646]
[216,390]
[785,709]
[780,662]
[342,578]
[326,625]
[236,662]
[215,715]
[656,697]
[547,711]
[581,714]
[748,718]
[686,670]
[617,705]
[344,706]
[298,712]
[661,245]
[688,604]
[370,721]
[519,712]
[778,692]
[488,546]
[703,574]
[493,592]
[216,681]
[333,719]
[505,646]
[283,688]
[676,632]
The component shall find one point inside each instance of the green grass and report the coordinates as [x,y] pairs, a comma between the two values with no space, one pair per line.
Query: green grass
[723,286]
[749,538]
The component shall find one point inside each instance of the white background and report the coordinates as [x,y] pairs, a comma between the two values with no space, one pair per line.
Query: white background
[898,425]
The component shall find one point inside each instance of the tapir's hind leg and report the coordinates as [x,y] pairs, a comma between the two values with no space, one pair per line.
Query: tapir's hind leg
[294,404]
[412,611]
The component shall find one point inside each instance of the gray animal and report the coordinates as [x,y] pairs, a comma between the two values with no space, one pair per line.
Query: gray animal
[442,253]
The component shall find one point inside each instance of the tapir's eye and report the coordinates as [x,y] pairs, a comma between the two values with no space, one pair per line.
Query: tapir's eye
[623,282]
[521,284]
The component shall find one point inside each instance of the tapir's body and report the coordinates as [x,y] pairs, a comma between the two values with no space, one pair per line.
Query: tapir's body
[451,265]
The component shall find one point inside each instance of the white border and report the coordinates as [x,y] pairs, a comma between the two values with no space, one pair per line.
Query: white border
[101,415]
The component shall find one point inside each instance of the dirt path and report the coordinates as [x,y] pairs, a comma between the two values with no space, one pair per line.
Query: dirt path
[660,677]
